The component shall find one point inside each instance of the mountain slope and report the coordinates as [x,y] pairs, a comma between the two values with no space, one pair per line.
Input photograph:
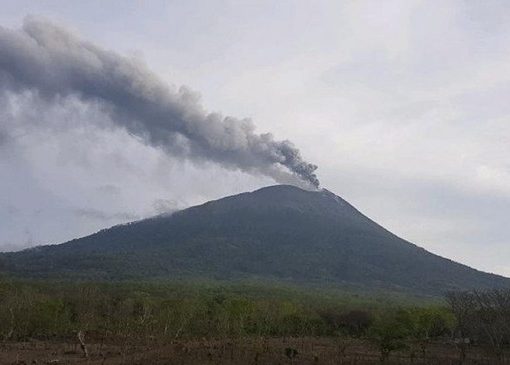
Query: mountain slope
[279,232]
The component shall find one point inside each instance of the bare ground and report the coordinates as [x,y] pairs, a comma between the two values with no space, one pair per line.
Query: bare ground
[237,352]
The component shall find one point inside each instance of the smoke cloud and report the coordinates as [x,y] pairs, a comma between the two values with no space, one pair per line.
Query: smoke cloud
[55,64]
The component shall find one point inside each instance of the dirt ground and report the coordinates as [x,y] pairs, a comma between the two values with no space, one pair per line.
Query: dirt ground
[277,351]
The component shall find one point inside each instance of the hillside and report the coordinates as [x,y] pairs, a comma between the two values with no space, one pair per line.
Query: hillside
[276,233]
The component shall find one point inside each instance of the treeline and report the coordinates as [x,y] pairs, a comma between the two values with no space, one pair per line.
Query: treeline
[57,310]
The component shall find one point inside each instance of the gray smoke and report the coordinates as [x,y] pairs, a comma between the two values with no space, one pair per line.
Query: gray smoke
[54,63]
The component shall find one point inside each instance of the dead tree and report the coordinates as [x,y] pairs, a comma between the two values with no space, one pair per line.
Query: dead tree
[462,305]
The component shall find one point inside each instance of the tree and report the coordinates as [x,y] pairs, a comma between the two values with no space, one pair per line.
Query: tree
[390,330]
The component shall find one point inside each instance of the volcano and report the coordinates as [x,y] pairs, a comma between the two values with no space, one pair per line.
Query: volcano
[278,233]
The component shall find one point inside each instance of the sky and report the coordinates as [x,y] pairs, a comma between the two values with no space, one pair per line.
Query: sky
[402,105]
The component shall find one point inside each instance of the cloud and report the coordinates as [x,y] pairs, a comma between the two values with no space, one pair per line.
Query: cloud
[3,137]
[164,206]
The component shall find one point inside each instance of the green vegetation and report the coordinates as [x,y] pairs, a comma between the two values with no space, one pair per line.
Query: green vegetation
[169,311]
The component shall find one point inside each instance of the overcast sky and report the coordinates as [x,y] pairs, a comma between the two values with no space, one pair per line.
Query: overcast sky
[403,105]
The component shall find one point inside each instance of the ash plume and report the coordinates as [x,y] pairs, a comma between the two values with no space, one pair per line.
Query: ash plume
[55,64]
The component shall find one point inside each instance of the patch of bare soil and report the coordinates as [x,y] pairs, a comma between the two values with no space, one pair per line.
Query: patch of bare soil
[277,351]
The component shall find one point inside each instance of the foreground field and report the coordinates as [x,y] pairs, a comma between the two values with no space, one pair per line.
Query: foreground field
[245,323]
[241,352]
